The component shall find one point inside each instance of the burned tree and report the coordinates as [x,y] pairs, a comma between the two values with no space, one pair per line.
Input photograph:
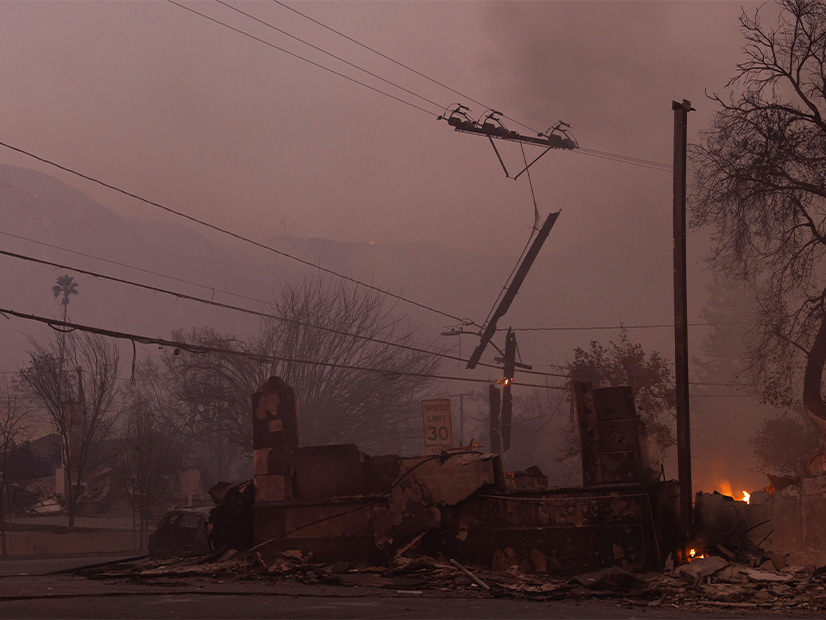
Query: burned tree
[329,342]
[75,377]
[339,400]
[761,189]
[212,391]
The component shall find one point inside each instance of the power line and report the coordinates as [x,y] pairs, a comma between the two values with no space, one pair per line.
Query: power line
[298,56]
[203,349]
[615,327]
[625,159]
[396,62]
[634,161]
[323,51]
[212,302]
[262,314]
[237,236]
[140,269]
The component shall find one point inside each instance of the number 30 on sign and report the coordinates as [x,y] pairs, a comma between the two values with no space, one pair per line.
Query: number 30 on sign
[436,424]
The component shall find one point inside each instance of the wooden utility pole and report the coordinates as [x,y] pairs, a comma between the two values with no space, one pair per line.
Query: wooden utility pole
[509,363]
[513,289]
[681,111]
[495,427]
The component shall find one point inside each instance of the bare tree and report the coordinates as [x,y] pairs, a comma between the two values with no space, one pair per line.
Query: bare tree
[761,188]
[79,402]
[338,400]
[349,389]
[150,438]
[14,429]
[215,389]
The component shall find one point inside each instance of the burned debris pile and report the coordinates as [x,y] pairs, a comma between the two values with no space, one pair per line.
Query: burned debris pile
[455,521]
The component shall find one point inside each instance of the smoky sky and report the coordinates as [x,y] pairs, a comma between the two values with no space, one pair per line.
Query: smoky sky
[154,99]
[162,102]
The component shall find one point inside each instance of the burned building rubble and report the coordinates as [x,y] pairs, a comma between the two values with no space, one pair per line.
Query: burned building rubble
[457,522]
[339,504]
[784,523]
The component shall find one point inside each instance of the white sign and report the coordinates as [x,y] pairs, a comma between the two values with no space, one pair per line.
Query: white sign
[436,425]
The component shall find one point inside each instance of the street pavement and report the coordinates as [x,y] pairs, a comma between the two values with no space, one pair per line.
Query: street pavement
[42,595]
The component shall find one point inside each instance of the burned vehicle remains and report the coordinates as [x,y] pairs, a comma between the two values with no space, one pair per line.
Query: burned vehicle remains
[181,533]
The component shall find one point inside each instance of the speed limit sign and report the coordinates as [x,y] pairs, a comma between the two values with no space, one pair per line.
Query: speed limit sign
[436,424]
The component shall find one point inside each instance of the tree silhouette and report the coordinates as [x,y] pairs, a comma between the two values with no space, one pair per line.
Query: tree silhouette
[760,187]
[65,286]
[85,420]
[650,376]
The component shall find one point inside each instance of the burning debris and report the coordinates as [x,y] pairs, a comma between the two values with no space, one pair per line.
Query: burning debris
[783,523]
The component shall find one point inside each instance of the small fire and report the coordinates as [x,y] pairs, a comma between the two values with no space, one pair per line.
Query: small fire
[692,555]
[725,489]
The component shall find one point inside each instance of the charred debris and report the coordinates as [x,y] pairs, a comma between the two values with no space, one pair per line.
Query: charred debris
[457,521]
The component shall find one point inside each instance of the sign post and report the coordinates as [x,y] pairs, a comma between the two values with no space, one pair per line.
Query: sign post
[436,425]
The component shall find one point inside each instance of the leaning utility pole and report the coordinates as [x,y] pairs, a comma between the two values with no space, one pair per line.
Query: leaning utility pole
[681,111]
[512,290]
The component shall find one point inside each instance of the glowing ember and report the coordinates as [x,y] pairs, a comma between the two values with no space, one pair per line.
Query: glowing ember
[692,555]
[746,496]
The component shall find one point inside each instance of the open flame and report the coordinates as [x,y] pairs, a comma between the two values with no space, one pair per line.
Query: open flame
[692,555]
[725,489]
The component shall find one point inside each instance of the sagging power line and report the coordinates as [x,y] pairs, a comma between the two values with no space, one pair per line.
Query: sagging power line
[299,57]
[211,302]
[625,159]
[203,349]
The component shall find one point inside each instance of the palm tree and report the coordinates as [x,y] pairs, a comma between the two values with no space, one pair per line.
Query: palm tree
[66,286]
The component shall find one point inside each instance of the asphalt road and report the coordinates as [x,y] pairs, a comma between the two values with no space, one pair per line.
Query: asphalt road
[64,597]
[43,566]
[42,595]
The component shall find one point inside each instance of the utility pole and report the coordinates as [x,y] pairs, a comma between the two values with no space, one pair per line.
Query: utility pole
[462,417]
[509,362]
[461,414]
[681,111]
[513,289]
[495,439]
